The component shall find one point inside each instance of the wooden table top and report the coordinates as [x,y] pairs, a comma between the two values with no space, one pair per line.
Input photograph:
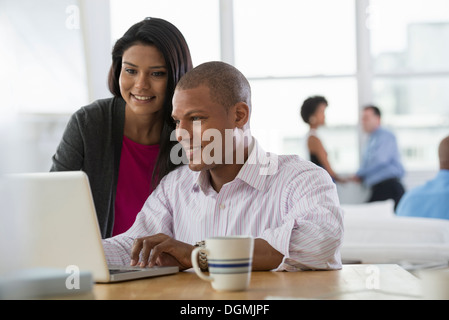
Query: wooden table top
[351,282]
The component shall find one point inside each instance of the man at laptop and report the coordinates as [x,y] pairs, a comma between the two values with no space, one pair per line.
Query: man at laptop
[232,187]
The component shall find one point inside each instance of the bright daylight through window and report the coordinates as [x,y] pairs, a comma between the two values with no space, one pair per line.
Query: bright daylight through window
[288,49]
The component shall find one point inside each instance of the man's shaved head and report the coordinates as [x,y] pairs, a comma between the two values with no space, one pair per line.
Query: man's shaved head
[227,85]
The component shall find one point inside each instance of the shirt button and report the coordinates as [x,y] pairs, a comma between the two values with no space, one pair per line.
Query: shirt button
[222,206]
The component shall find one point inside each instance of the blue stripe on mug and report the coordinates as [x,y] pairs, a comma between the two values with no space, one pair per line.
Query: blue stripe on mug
[230,260]
[234,265]
[229,266]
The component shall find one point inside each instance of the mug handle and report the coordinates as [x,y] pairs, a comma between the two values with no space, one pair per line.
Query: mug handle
[196,267]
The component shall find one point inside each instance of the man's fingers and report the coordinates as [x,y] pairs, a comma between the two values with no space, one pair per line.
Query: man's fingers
[146,250]
[135,251]
[142,248]
[171,253]
[157,251]
[165,259]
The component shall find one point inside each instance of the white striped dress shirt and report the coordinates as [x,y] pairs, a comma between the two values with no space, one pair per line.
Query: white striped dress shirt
[295,208]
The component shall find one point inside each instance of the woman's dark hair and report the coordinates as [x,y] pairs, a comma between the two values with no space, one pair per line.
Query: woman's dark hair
[173,46]
[310,105]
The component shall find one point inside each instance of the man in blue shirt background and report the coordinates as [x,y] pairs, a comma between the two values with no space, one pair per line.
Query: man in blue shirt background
[381,168]
[430,200]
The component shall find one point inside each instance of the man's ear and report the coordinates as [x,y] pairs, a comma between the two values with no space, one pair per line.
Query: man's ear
[241,114]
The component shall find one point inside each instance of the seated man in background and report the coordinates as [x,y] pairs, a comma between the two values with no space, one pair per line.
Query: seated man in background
[430,200]
[232,187]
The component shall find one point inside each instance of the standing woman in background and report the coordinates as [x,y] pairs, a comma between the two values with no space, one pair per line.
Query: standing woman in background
[313,113]
[123,143]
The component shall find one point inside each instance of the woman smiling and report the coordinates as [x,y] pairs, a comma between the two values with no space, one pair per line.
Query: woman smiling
[123,143]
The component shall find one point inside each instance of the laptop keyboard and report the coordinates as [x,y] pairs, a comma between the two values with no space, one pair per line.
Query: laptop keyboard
[117,271]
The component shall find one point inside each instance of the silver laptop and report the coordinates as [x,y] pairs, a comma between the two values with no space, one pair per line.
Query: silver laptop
[61,226]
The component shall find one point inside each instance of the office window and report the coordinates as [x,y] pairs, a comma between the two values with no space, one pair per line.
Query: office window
[409,47]
[410,35]
[291,50]
[278,126]
[198,21]
[43,66]
[294,38]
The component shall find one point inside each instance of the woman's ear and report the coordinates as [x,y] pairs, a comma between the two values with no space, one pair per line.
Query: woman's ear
[241,114]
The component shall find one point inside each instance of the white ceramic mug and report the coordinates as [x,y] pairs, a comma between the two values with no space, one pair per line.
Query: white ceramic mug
[435,284]
[230,262]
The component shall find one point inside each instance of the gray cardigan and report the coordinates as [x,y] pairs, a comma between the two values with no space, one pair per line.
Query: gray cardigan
[92,142]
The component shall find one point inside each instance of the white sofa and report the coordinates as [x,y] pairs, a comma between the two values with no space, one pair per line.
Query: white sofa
[374,234]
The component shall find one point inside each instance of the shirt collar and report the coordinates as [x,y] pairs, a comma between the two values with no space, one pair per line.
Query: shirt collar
[257,167]
[202,181]
[376,131]
[254,172]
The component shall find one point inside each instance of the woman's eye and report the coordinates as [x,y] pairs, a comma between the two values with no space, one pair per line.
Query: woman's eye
[130,71]
[158,74]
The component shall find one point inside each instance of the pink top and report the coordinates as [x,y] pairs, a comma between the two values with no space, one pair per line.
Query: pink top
[134,182]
